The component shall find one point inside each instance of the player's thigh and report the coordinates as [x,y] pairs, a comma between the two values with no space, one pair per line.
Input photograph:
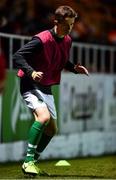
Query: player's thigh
[42,114]
[37,106]
[51,128]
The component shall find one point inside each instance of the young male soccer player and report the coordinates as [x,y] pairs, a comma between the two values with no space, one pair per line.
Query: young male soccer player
[40,62]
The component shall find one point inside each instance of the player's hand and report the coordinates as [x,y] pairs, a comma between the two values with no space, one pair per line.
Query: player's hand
[81,69]
[37,76]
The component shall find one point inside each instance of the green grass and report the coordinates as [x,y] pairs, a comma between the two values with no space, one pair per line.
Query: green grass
[81,168]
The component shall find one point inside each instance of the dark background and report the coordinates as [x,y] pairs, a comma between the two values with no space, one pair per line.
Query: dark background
[97,18]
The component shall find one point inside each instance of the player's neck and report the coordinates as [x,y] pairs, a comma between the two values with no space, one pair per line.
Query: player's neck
[58,32]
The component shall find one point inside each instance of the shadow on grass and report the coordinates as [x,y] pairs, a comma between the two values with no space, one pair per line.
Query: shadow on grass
[78,176]
[74,176]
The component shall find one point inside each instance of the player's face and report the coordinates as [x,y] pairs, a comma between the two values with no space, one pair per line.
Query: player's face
[66,26]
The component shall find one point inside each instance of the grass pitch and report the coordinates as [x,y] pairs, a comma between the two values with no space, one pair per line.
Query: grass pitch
[81,168]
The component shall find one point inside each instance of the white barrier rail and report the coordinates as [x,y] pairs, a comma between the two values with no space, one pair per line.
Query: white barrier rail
[97,58]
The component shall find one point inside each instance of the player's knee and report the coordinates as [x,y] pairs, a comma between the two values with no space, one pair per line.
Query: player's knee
[42,116]
[55,130]
[51,131]
[45,118]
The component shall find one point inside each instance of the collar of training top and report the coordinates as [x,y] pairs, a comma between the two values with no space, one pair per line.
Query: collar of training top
[58,39]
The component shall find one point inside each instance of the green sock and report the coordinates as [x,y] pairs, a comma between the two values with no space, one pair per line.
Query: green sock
[35,133]
[44,141]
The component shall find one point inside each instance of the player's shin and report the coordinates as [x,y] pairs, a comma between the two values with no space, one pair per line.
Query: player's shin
[35,134]
[44,141]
